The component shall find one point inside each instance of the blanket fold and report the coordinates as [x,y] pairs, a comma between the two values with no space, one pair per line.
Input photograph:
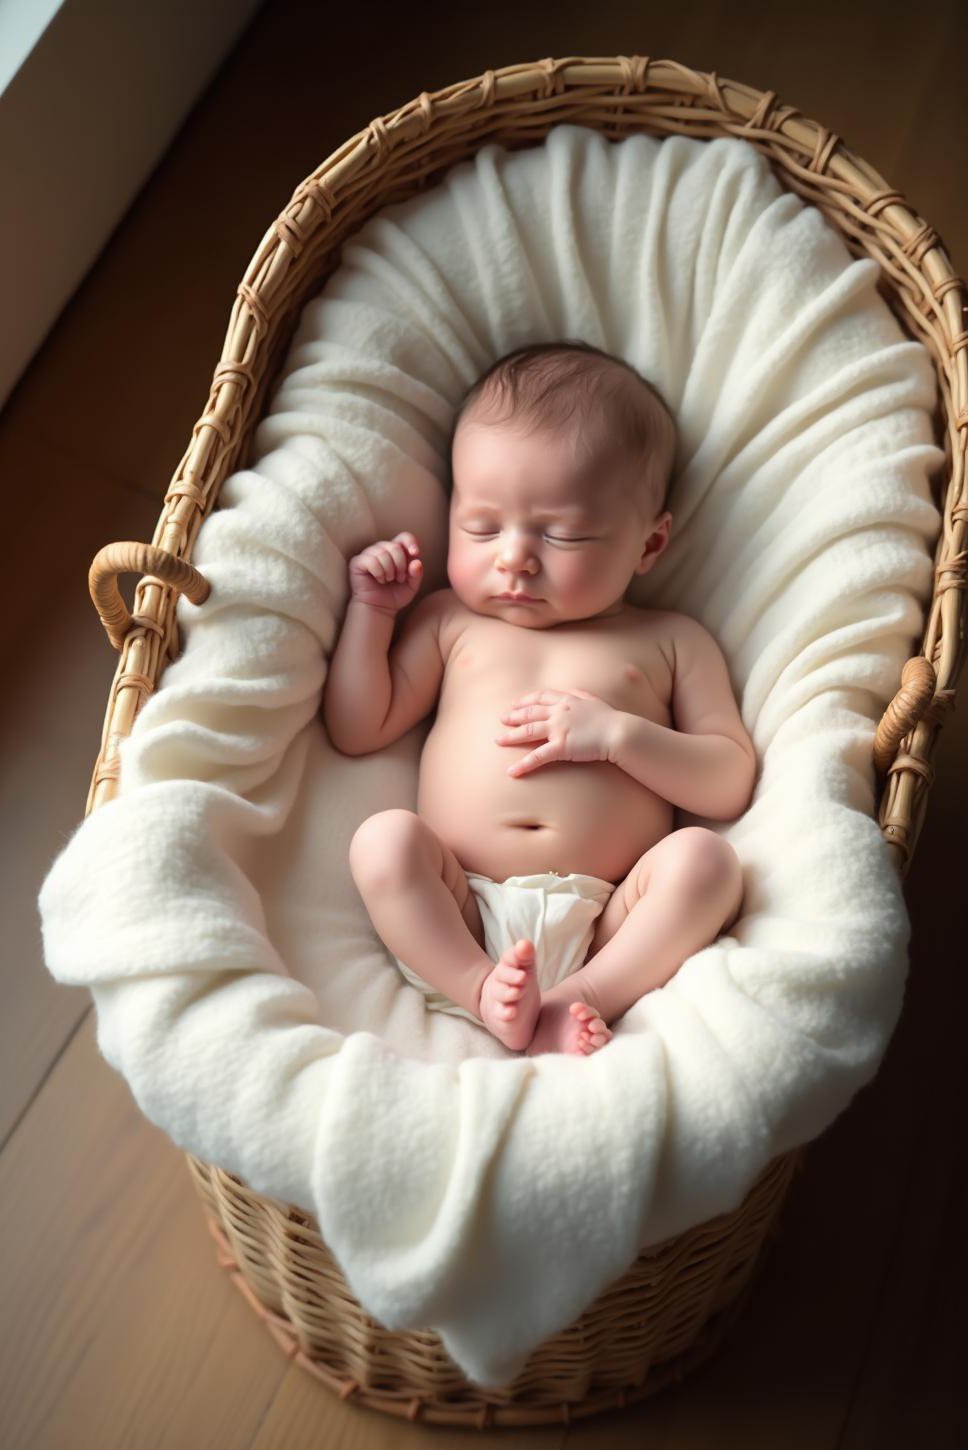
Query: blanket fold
[240,987]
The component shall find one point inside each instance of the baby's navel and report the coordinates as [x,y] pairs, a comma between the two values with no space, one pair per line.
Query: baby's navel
[631,673]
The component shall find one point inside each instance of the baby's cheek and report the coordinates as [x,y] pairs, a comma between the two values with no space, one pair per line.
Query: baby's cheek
[461,574]
[579,576]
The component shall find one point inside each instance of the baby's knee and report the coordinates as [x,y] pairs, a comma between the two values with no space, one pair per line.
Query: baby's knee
[384,845]
[703,861]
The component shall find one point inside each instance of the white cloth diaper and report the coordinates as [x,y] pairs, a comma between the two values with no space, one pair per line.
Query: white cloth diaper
[557,913]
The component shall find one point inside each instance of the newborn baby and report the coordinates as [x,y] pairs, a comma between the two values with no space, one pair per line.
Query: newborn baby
[540,888]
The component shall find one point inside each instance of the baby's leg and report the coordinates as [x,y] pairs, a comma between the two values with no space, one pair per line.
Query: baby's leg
[678,897]
[420,901]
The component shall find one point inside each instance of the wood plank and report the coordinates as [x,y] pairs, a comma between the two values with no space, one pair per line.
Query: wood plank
[908,1390]
[930,168]
[296,1413]
[58,664]
[120,1330]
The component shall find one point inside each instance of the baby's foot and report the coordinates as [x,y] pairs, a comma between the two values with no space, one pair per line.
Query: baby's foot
[564,1026]
[510,997]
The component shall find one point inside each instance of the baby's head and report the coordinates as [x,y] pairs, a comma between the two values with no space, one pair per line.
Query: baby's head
[561,457]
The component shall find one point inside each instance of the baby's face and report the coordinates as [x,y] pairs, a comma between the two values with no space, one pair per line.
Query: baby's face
[520,522]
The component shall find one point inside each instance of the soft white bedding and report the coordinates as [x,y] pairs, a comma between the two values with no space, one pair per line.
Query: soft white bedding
[240,987]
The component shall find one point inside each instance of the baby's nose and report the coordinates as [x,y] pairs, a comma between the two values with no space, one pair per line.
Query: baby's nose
[515,553]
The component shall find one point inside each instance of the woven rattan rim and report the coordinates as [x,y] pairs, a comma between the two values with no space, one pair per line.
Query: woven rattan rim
[395,157]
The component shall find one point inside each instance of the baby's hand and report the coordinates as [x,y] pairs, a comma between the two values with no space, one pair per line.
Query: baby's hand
[387,575]
[576,725]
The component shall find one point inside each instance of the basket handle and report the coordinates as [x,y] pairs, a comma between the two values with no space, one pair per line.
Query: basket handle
[918,683]
[134,558]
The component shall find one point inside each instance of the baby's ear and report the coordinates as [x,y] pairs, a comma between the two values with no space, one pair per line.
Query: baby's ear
[655,544]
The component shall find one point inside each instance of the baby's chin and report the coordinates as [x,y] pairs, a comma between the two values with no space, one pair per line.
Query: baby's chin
[528,616]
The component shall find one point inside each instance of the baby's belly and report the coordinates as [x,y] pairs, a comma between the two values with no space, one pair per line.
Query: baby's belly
[568,816]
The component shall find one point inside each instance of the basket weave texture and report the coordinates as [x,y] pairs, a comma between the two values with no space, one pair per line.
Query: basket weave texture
[672,1306]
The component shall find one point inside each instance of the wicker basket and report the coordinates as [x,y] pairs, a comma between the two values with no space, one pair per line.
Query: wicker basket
[670,1309]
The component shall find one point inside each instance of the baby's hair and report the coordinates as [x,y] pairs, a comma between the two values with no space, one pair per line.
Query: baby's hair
[615,416]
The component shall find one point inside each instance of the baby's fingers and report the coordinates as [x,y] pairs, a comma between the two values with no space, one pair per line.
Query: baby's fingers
[405,550]
[394,561]
[380,562]
[391,562]
[533,760]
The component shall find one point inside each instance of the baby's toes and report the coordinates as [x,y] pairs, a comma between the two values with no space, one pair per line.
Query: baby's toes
[593,1032]
[510,978]
[591,1041]
[511,975]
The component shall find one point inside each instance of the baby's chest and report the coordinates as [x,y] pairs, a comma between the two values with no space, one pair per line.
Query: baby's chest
[628,675]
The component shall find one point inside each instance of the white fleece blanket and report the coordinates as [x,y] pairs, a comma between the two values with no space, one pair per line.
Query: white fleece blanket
[239,984]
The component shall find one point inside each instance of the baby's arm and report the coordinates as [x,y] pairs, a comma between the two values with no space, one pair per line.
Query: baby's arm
[372,694]
[706,763]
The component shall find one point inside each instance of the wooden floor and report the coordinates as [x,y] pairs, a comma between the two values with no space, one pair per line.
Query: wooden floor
[118,1329]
